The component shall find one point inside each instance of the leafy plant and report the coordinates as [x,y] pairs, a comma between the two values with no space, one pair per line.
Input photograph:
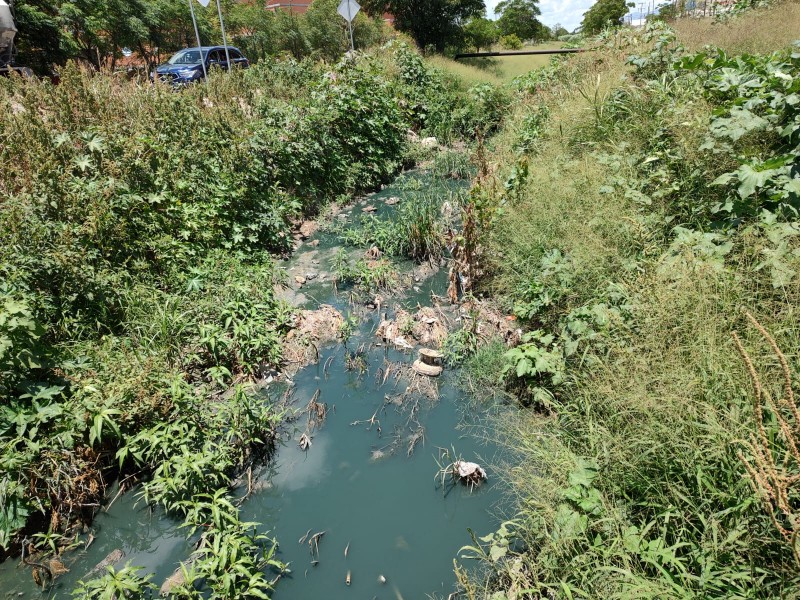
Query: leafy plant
[114,585]
[537,363]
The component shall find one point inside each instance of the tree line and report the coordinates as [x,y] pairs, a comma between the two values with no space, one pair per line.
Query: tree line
[100,32]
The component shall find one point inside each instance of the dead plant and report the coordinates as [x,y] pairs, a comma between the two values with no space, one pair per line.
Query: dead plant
[774,461]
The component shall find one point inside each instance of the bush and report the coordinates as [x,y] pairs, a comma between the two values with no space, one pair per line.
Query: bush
[510,42]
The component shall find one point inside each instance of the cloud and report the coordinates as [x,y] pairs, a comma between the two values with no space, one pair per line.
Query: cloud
[567,12]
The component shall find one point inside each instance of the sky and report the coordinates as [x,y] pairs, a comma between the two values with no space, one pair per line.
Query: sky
[567,12]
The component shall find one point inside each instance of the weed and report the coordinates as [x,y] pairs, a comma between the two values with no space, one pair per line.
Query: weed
[416,230]
[369,276]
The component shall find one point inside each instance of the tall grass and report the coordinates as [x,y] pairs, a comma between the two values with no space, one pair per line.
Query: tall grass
[631,484]
[761,31]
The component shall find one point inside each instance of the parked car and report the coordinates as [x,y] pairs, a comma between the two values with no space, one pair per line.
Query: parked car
[186,66]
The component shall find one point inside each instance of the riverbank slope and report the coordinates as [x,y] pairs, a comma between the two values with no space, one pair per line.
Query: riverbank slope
[646,238]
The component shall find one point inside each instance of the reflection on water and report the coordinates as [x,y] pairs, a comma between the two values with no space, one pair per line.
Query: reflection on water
[306,469]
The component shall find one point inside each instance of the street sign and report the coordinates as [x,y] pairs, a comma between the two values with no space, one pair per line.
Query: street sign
[204,3]
[349,9]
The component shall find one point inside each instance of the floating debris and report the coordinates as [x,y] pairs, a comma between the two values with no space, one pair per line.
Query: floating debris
[429,363]
[391,201]
[347,579]
[305,442]
[303,539]
[346,549]
[313,547]
[459,471]
[469,473]
[401,342]
[381,579]
[369,209]
[113,557]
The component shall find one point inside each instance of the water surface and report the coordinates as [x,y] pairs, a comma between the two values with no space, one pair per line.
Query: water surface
[359,483]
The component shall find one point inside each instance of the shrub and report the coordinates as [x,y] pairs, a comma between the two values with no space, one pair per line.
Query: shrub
[510,42]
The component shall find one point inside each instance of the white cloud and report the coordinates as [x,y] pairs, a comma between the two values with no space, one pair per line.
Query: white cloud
[567,12]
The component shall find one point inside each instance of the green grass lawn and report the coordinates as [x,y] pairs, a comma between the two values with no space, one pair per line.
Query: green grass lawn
[497,70]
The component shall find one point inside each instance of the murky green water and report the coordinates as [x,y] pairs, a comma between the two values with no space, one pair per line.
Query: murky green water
[358,482]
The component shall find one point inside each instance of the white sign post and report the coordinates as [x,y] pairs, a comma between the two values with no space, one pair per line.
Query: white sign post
[349,9]
[197,34]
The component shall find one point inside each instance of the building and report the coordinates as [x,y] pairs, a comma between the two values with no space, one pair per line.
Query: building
[293,6]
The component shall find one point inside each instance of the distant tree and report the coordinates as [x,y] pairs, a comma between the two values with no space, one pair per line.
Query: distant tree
[291,35]
[252,29]
[519,17]
[558,30]
[604,13]
[434,23]
[99,29]
[480,32]
[170,28]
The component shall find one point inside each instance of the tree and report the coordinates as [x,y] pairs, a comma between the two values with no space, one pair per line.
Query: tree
[518,17]
[480,33]
[434,23]
[252,29]
[558,30]
[39,40]
[603,14]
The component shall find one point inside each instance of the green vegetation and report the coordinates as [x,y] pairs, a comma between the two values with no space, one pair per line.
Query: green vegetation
[634,210]
[138,228]
[604,14]
[519,18]
[497,70]
[480,32]
[433,23]
[511,42]
[646,197]
[95,31]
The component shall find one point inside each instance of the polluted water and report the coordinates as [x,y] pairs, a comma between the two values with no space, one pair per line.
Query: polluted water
[354,493]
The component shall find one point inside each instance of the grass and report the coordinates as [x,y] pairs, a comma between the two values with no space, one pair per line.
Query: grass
[496,70]
[631,485]
[761,31]
[514,66]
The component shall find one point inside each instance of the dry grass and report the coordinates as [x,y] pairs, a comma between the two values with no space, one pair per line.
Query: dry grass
[561,204]
[497,70]
[760,31]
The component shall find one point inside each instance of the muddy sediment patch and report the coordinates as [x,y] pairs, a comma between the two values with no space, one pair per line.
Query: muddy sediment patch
[312,329]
